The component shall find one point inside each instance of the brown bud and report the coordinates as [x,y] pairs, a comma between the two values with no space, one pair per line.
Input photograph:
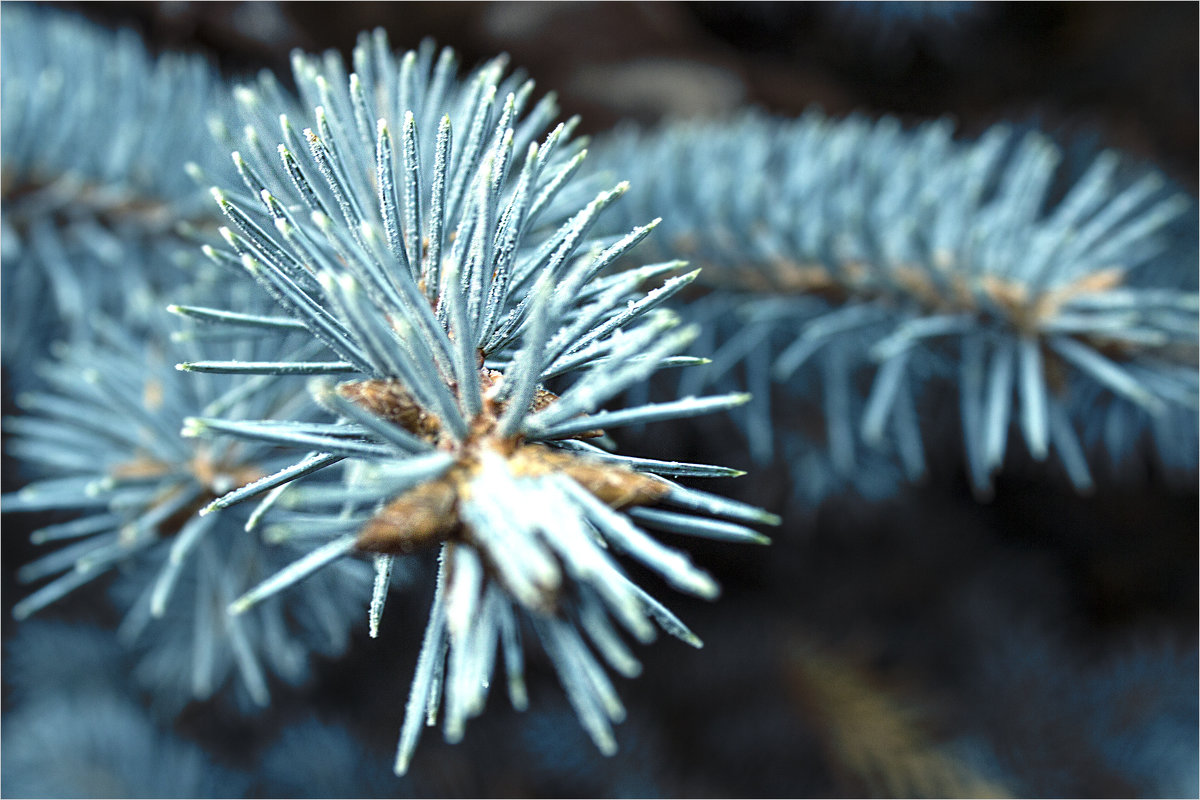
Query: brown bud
[388,399]
[420,517]
[612,484]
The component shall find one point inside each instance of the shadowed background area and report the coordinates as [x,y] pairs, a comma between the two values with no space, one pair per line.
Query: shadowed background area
[1123,72]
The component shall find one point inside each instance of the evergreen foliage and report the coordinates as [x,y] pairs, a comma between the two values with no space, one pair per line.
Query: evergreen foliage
[433,266]
[905,268]
[274,348]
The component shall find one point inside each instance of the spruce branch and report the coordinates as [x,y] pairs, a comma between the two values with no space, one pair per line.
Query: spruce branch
[102,145]
[419,228]
[932,264]
[101,431]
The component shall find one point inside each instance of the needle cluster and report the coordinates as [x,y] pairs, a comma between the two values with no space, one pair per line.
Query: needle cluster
[419,229]
[905,265]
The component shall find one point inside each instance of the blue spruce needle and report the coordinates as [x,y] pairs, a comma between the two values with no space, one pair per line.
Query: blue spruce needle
[420,230]
[102,432]
[939,268]
[96,134]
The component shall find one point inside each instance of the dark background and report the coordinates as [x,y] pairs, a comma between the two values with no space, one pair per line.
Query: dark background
[929,645]
[1125,72]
